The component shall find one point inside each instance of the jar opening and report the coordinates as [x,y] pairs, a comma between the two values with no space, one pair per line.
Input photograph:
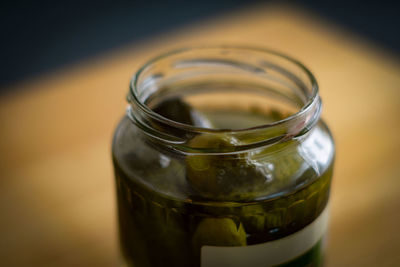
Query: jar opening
[255,96]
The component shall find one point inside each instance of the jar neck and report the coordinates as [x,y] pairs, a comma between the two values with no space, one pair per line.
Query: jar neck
[180,73]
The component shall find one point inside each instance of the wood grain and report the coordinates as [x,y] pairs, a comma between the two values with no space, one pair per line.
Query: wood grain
[56,186]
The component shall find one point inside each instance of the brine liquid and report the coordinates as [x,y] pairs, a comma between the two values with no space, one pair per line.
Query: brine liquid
[157,226]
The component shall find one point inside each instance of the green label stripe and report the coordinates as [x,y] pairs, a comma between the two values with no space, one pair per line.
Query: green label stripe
[299,249]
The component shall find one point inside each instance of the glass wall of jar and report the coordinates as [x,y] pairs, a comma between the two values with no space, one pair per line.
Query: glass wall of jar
[223,160]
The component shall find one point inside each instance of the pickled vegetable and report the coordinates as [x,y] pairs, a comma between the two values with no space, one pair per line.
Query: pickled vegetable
[177,110]
[218,232]
[224,177]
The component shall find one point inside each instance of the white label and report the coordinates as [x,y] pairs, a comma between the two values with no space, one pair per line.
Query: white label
[269,253]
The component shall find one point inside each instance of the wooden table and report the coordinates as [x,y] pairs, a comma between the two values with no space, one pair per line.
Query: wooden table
[57,200]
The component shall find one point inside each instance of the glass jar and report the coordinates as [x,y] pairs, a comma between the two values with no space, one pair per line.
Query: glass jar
[223,160]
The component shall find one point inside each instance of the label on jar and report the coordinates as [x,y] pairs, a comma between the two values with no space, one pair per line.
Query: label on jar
[298,247]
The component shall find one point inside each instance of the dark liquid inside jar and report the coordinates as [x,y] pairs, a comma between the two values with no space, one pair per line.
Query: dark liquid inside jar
[197,207]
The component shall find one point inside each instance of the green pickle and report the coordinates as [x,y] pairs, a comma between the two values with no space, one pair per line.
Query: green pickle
[218,232]
[221,177]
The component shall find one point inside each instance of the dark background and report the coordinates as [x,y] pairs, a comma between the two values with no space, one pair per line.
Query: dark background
[39,36]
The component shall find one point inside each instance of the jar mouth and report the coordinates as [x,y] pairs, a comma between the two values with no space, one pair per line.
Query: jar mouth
[280,130]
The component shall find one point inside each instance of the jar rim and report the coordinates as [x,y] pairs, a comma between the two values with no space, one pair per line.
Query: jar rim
[308,114]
